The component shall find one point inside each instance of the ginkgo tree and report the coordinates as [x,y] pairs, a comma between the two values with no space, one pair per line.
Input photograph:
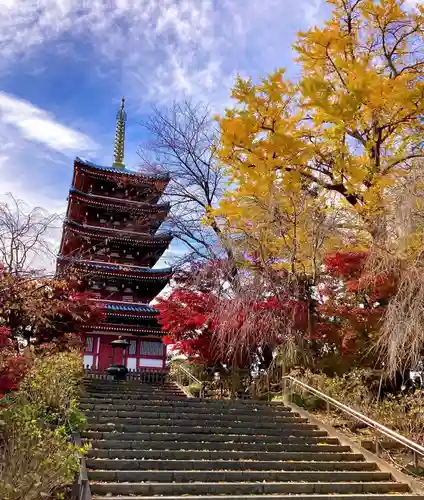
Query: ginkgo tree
[316,164]
[351,125]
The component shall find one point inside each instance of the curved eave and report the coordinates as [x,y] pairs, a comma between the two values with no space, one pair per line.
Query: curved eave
[120,270]
[113,235]
[121,172]
[118,204]
[123,328]
[123,314]
[124,275]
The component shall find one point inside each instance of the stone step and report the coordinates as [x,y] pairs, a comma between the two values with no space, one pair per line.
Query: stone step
[166,409]
[199,455]
[292,444]
[367,496]
[210,402]
[194,419]
[127,386]
[288,430]
[189,402]
[213,465]
[120,396]
[206,438]
[139,418]
[184,404]
[125,392]
[153,441]
[127,383]
[231,476]
[269,488]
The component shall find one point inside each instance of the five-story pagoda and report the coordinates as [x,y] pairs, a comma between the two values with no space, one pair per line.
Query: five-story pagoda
[110,236]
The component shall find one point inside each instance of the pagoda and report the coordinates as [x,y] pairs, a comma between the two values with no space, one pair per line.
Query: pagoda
[110,236]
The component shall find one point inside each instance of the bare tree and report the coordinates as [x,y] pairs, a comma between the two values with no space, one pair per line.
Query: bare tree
[401,341]
[183,143]
[25,236]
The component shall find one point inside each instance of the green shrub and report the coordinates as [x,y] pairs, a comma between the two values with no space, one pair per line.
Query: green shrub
[52,386]
[351,389]
[194,389]
[37,459]
[308,401]
[403,413]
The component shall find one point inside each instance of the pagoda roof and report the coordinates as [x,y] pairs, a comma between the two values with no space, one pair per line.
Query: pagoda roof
[106,267]
[122,171]
[122,329]
[118,203]
[145,308]
[118,234]
[130,269]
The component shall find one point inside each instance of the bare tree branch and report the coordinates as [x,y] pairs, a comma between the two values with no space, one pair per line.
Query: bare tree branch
[25,235]
[183,143]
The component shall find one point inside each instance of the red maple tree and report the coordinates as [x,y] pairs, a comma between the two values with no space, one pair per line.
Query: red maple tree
[43,313]
[352,304]
[186,316]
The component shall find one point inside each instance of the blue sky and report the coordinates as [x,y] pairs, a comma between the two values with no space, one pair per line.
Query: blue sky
[64,65]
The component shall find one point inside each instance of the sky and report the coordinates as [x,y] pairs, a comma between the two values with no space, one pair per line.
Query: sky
[65,64]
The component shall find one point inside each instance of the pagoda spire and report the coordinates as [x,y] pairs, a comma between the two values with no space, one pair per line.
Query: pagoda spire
[118,151]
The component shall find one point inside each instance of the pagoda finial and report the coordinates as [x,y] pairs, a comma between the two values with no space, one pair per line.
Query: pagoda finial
[118,151]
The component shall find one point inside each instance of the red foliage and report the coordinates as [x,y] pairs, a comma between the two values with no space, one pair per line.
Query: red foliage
[44,313]
[191,321]
[13,365]
[185,313]
[345,264]
[339,323]
[353,304]
[186,316]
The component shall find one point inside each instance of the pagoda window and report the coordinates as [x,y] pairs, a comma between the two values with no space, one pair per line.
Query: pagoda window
[89,344]
[149,348]
[132,348]
[127,298]
[112,288]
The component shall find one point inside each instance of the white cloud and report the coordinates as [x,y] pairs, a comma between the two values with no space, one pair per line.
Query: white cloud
[33,146]
[165,49]
[311,10]
[37,125]
[156,50]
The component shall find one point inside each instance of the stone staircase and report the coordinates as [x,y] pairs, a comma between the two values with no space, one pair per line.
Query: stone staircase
[151,441]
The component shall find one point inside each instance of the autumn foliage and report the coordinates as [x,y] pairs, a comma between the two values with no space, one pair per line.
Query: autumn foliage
[38,315]
[326,176]
[337,329]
